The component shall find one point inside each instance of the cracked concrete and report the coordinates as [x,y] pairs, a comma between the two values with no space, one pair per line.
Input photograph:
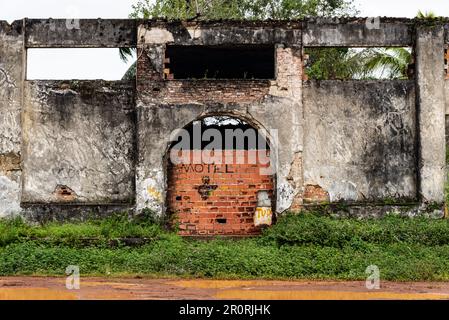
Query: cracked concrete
[101,146]
[81,137]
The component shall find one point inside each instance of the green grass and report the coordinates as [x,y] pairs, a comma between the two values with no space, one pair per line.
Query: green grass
[73,234]
[301,246]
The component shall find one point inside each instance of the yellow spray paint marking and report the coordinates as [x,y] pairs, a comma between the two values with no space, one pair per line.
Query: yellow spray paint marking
[324,295]
[262,216]
[154,193]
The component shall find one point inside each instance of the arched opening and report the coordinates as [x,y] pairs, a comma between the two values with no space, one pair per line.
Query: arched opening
[219,172]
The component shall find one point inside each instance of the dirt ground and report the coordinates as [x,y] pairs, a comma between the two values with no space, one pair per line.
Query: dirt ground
[45,288]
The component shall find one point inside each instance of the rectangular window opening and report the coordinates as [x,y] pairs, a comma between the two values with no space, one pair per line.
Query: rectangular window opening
[342,63]
[80,64]
[219,62]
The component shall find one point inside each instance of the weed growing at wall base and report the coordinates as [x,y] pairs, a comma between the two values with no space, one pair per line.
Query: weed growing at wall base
[301,246]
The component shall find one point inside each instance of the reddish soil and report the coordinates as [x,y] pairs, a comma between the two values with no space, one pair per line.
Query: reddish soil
[44,288]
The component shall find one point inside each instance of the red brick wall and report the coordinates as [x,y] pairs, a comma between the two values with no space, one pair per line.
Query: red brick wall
[151,83]
[207,91]
[232,196]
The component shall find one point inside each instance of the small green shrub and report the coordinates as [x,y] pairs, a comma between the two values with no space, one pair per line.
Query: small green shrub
[303,246]
[101,230]
[301,229]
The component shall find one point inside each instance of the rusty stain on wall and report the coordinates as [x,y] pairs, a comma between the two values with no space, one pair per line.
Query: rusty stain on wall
[9,163]
[64,193]
[315,194]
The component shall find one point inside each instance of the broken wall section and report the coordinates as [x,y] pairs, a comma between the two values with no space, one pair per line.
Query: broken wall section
[167,105]
[79,143]
[11,70]
[360,141]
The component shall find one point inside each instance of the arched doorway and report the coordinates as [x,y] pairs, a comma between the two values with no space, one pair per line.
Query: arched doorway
[218,168]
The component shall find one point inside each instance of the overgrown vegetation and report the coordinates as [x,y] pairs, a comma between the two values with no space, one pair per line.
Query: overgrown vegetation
[298,246]
[241,9]
[364,64]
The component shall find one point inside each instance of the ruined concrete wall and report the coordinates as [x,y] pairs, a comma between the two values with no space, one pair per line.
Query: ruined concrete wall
[165,106]
[78,143]
[431,117]
[446,95]
[360,140]
[357,32]
[81,33]
[11,51]
[103,145]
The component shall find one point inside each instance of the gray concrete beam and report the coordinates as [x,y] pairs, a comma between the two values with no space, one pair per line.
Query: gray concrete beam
[431,112]
[83,33]
[361,32]
[180,33]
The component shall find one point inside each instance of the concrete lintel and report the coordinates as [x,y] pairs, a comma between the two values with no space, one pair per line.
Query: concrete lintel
[80,33]
[180,33]
[366,32]
[431,112]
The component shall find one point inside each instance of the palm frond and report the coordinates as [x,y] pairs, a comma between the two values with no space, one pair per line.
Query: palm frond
[425,15]
[126,53]
[390,63]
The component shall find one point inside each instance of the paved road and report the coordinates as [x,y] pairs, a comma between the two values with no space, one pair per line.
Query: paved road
[133,288]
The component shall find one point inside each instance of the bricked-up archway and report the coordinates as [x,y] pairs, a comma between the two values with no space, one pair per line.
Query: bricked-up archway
[210,197]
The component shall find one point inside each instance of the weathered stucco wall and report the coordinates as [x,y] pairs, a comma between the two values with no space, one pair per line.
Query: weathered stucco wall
[357,32]
[78,142]
[82,33]
[360,139]
[431,117]
[446,95]
[73,145]
[11,51]
[272,105]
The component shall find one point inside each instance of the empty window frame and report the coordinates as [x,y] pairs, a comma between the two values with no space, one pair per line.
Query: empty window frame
[343,63]
[220,62]
[77,63]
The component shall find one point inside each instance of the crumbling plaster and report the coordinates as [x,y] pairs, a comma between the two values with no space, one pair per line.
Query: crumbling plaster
[78,135]
[352,141]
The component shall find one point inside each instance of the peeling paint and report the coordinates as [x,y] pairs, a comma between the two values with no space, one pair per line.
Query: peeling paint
[9,197]
[154,35]
[151,194]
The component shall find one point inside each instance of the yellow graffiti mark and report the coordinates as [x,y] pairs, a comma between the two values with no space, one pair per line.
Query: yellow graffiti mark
[154,193]
[263,212]
[262,216]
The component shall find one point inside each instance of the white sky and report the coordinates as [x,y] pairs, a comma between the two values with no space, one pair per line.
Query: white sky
[105,63]
[401,8]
